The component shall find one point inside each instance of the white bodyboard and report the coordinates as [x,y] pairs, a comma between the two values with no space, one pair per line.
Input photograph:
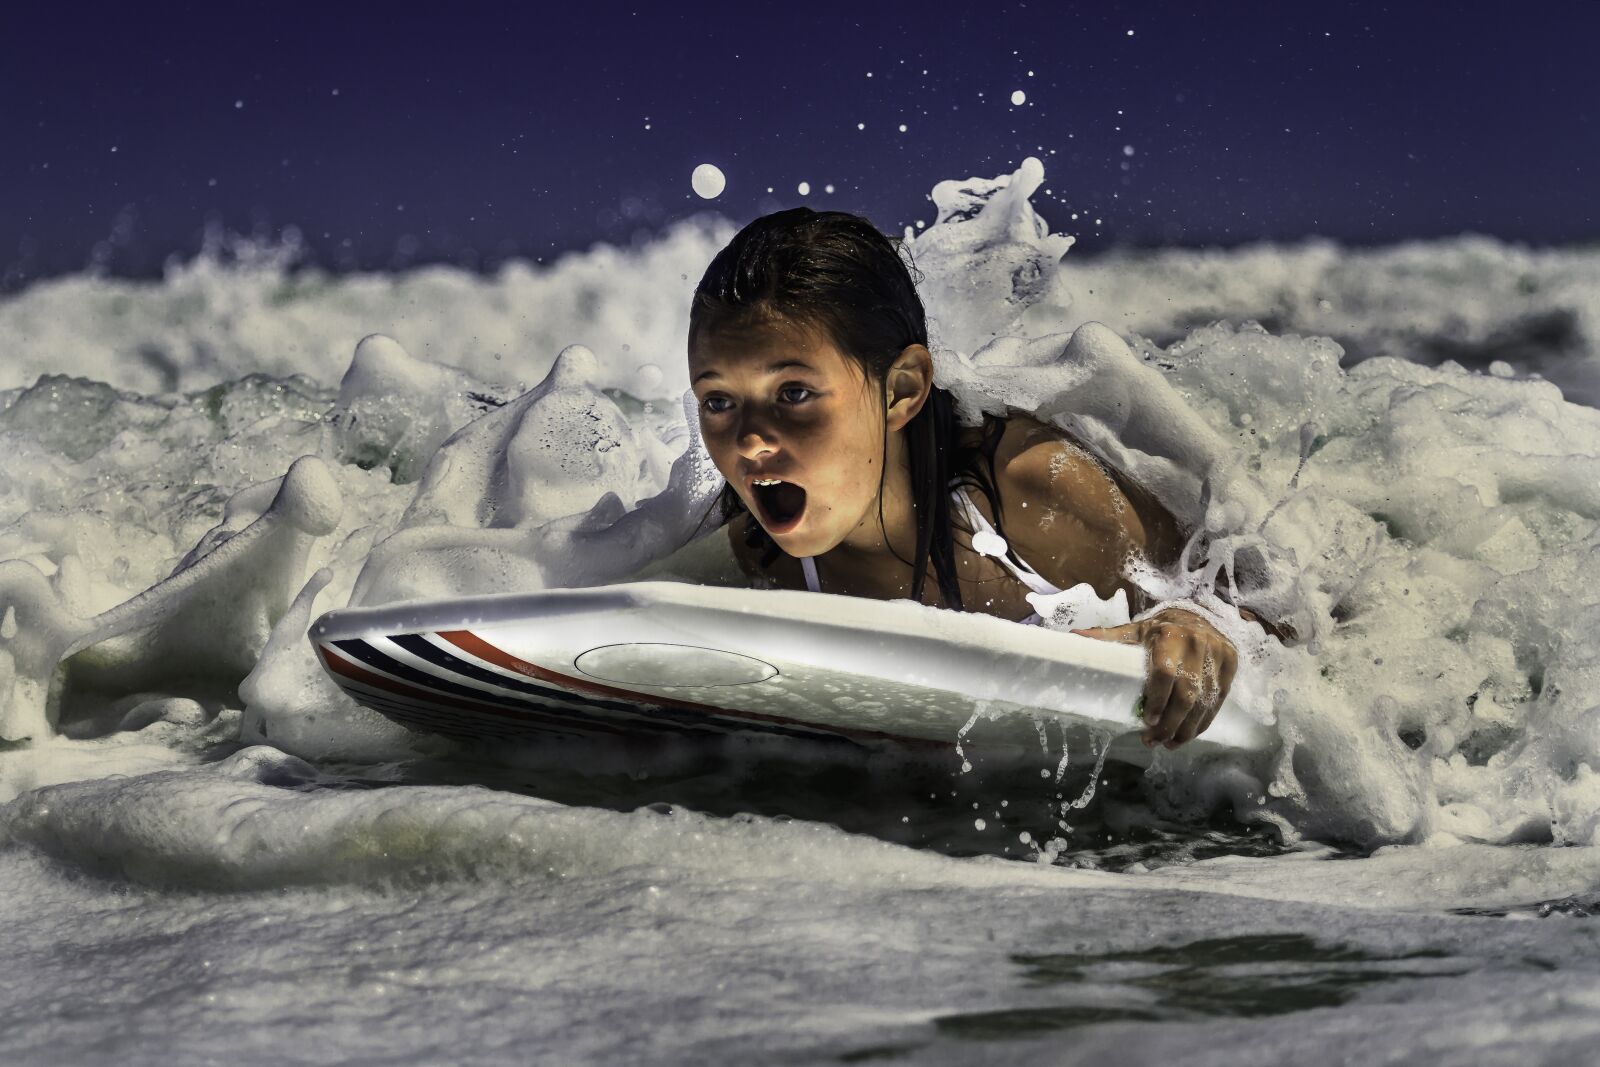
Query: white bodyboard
[665,656]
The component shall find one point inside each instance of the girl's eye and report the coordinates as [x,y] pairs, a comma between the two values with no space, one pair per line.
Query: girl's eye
[789,394]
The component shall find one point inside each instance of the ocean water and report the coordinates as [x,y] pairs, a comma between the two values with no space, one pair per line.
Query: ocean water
[207,853]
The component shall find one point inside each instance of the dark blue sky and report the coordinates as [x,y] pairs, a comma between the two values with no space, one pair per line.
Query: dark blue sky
[468,133]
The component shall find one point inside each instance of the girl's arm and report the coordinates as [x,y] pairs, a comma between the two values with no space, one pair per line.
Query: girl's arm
[1076,521]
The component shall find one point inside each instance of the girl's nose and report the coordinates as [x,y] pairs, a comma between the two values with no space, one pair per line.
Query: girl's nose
[755,438]
[754,445]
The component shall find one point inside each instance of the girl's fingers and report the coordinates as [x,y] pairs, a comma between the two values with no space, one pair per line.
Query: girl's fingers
[1230,665]
[1127,634]
[1195,688]
[1193,725]
[1186,682]
[1215,683]
[1158,691]
[1181,708]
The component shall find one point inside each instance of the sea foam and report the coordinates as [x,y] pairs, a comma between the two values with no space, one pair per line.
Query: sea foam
[1423,529]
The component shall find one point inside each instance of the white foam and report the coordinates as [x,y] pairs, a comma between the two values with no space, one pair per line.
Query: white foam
[1424,529]
[241,308]
[1430,532]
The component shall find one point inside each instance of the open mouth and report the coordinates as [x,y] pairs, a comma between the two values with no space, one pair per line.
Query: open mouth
[781,504]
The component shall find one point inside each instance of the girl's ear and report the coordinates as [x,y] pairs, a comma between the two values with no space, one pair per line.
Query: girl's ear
[908,384]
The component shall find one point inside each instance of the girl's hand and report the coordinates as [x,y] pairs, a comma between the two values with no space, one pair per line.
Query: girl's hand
[1191,666]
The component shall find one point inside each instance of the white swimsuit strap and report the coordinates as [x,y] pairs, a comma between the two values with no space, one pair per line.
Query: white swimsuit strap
[980,525]
[809,565]
[1025,574]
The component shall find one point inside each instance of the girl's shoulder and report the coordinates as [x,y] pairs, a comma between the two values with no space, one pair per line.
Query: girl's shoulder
[1042,464]
[1059,501]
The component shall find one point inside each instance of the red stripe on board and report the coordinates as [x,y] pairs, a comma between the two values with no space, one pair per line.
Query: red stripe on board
[468,641]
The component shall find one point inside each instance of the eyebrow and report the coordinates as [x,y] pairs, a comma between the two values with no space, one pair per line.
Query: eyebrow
[772,368]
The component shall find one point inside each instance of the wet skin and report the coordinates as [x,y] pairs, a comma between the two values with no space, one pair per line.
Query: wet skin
[780,400]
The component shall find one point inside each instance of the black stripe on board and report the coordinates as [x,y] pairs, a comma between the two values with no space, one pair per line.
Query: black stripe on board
[422,648]
[373,657]
[597,716]
[458,723]
[527,717]
[547,714]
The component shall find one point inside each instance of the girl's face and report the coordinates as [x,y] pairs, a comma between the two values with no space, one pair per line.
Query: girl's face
[779,403]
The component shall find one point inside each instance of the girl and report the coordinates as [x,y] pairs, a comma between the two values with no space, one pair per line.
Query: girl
[848,473]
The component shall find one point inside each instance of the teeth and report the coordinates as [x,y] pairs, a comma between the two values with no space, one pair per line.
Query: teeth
[767,481]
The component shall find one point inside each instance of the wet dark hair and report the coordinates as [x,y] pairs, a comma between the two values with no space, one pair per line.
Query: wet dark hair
[835,273]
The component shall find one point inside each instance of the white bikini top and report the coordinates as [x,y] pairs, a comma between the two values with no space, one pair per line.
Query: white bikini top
[985,542]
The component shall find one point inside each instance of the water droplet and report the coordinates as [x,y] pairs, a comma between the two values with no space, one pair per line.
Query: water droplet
[708,181]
